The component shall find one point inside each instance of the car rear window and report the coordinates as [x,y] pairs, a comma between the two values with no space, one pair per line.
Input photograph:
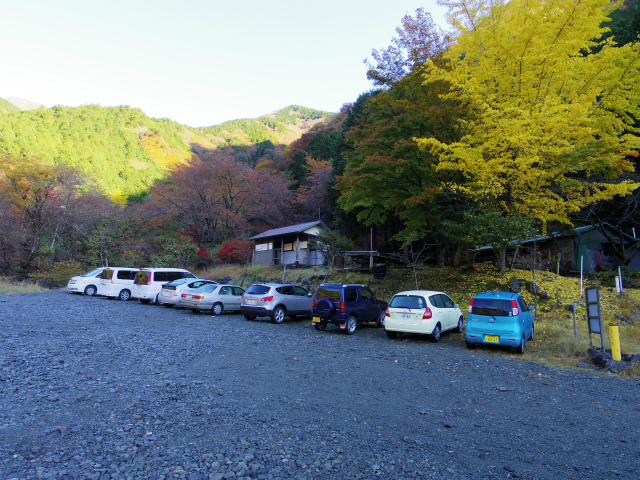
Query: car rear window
[332,294]
[258,290]
[491,306]
[408,301]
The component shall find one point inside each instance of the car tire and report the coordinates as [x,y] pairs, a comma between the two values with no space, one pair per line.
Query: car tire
[278,314]
[435,335]
[320,326]
[381,319]
[533,330]
[217,309]
[460,327]
[124,295]
[470,345]
[391,334]
[521,348]
[249,317]
[90,290]
[351,324]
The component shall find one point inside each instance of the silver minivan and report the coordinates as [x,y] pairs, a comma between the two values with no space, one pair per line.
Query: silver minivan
[117,282]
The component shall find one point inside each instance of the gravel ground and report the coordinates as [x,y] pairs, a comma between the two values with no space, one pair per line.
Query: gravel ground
[100,389]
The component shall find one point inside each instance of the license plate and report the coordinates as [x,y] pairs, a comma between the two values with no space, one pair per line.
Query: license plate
[491,338]
[316,319]
[251,302]
[405,316]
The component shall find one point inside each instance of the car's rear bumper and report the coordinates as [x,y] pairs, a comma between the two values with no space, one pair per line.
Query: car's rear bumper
[257,310]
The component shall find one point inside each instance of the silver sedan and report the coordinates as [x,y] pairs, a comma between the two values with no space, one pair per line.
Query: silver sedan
[215,298]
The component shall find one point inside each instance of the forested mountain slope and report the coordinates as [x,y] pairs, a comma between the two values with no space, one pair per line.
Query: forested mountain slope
[125,151]
[7,107]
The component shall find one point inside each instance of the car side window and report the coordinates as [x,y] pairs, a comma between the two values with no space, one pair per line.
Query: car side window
[287,290]
[238,291]
[174,275]
[366,294]
[448,303]
[350,295]
[523,306]
[300,291]
[225,291]
[161,277]
[436,301]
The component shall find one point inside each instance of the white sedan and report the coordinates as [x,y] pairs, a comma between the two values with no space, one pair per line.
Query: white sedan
[422,311]
[215,298]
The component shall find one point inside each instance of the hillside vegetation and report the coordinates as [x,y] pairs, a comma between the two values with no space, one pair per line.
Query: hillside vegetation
[123,150]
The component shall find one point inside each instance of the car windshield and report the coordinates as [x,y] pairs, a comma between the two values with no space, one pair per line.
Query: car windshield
[491,306]
[408,301]
[332,293]
[92,273]
[177,282]
[258,290]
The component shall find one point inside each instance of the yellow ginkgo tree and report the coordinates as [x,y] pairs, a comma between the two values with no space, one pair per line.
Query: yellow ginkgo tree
[553,106]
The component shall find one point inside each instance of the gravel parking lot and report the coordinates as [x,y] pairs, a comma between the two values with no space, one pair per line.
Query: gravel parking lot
[100,389]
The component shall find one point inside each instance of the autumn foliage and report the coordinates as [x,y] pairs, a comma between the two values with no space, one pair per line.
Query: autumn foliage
[236,251]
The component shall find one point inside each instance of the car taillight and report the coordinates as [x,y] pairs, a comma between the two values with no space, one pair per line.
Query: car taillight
[514,308]
[197,297]
[471,306]
[427,314]
[342,307]
[386,314]
[267,299]
[313,304]
[184,295]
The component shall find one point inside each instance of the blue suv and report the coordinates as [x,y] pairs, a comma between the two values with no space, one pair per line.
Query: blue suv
[499,318]
[346,306]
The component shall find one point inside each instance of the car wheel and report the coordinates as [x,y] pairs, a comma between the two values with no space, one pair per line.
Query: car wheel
[249,317]
[351,325]
[520,348]
[320,326]
[90,290]
[381,318]
[533,329]
[278,315]
[391,334]
[124,295]
[324,308]
[435,335]
[470,345]
[460,327]
[217,309]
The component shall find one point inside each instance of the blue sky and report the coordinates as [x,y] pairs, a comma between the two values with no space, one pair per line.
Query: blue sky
[197,62]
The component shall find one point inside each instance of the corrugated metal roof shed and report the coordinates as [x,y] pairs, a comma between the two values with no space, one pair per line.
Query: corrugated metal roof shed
[300,227]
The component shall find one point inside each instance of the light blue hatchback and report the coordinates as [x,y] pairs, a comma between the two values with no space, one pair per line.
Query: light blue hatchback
[499,318]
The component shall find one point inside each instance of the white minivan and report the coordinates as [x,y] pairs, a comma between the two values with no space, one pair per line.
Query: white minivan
[149,281]
[86,283]
[117,282]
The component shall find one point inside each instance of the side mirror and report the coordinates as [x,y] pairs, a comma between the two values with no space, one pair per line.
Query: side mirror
[309,294]
[456,306]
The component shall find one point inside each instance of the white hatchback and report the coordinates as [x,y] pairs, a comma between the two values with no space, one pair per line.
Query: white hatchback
[422,311]
[86,283]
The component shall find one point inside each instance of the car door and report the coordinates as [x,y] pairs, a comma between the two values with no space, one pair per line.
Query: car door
[227,297]
[527,317]
[304,300]
[371,309]
[449,312]
[237,298]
